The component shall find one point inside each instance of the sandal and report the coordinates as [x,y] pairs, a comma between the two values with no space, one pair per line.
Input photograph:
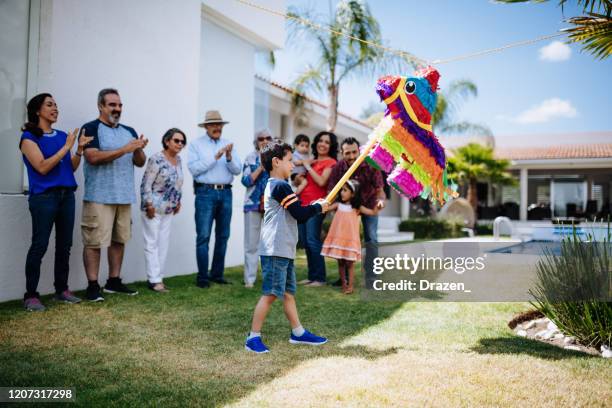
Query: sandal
[158,287]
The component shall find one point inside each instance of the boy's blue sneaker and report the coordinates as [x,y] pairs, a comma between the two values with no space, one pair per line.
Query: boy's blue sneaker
[307,338]
[256,345]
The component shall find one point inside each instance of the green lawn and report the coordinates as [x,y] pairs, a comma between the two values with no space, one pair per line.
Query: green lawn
[186,348]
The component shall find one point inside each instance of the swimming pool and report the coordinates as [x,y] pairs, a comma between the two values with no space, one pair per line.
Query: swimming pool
[537,247]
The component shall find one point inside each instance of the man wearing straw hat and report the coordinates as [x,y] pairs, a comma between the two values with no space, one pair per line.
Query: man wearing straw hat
[213,164]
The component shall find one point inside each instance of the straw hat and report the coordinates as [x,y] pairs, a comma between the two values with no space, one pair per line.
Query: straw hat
[211,117]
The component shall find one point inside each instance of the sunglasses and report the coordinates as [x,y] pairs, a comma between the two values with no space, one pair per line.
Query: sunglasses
[179,141]
[262,138]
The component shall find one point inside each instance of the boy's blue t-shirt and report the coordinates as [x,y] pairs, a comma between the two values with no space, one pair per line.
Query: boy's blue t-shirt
[110,183]
[282,212]
[59,176]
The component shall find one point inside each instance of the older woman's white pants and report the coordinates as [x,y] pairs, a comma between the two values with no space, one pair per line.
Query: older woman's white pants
[252,229]
[156,232]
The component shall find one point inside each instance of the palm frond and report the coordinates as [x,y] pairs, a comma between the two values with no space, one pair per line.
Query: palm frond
[440,116]
[463,88]
[474,161]
[594,32]
[587,5]
[310,81]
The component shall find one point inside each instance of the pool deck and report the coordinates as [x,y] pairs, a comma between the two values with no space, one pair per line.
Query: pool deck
[504,240]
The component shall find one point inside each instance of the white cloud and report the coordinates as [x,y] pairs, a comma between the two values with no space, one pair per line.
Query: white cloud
[547,110]
[555,51]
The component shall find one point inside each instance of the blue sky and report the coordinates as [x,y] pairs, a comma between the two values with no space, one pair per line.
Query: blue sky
[519,93]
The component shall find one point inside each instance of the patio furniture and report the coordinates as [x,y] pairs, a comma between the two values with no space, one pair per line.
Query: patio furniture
[570,210]
[539,212]
[487,213]
[591,209]
[510,210]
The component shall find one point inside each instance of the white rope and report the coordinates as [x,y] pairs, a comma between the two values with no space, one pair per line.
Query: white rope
[395,51]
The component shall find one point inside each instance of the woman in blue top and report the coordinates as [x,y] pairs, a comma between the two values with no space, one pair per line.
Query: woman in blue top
[46,154]
[254,178]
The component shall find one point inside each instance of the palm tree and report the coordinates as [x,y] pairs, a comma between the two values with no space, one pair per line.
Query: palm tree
[447,106]
[340,57]
[593,30]
[474,162]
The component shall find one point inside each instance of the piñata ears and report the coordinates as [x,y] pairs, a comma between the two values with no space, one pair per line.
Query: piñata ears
[431,75]
[385,86]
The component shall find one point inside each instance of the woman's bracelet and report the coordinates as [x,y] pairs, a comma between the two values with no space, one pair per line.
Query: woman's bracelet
[78,154]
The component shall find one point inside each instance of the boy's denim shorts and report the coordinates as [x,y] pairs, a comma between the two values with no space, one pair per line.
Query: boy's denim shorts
[278,276]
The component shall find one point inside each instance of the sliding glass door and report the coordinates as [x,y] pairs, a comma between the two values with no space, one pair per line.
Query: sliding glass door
[569,197]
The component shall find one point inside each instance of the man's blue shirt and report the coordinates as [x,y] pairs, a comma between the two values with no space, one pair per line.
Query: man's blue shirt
[203,166]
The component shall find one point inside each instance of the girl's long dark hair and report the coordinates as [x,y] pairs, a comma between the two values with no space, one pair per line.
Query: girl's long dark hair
[34,105]
[333,144]
[355,187]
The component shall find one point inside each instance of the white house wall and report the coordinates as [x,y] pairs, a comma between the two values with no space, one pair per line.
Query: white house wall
[149,50]
[265,29]
[227,84]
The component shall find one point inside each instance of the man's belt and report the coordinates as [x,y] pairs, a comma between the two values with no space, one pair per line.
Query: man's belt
[212,186]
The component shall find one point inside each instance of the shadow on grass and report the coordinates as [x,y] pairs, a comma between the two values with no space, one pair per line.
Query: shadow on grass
[521,345]
[183,348]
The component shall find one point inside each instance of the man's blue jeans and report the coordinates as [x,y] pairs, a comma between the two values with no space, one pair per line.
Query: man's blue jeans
[211,204]
[310,235]
[55,207]
[370,238]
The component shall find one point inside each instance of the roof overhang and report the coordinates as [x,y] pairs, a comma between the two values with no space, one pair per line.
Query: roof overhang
[283,97]
[587,163]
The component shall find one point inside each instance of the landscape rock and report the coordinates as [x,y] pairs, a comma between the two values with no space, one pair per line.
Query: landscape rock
[542,320]
[530,325]
[569,340]
[542,329]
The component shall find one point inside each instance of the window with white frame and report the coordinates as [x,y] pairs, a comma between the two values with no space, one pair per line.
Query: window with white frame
[511,194]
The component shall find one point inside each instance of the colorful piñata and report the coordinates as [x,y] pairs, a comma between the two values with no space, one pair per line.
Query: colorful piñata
[406,147]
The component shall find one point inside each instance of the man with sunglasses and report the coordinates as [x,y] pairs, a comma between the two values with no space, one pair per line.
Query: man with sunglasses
[109,192]
[254,178]
[213,163]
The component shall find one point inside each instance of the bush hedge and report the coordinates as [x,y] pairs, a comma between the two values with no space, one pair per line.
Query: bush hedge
[483,229]
[430,228]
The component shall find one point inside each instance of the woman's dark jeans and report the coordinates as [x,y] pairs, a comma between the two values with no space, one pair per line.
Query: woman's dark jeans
[53,207]
[310,235]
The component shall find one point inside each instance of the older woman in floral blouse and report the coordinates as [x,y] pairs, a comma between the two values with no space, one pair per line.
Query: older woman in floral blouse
[254,178]
[160,193]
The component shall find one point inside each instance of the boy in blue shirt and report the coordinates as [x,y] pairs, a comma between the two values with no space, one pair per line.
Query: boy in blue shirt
[283,211]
